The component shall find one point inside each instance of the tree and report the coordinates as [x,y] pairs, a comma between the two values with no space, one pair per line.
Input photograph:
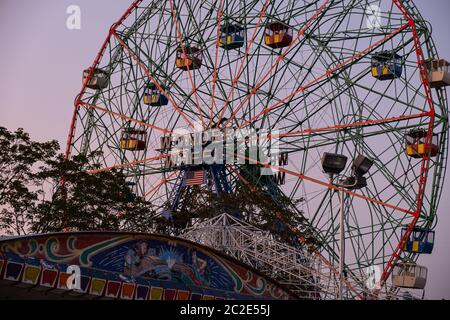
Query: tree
[42,191]
[19,155]
[88,201]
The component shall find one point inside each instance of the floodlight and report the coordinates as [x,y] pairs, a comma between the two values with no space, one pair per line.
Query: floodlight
[333,163]
[361,165]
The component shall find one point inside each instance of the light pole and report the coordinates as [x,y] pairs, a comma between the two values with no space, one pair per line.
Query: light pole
[341,245]
[334,164]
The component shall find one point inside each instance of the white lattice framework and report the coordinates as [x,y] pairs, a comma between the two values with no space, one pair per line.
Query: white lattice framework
[303,272]
[290,266]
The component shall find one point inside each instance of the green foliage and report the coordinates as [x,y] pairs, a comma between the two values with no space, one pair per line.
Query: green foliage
[18,157]
[87,201]
[42,191]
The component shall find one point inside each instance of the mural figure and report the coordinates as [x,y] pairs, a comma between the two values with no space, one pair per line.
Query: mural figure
[163,263]
[200,268]
[142,260]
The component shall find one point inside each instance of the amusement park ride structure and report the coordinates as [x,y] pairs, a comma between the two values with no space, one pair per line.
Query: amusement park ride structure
[301,271]
[320,83]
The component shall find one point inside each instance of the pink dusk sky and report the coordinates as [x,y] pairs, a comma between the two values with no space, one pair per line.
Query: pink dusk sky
[40,75]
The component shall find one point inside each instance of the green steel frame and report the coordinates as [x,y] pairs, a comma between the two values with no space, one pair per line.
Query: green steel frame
[318,93]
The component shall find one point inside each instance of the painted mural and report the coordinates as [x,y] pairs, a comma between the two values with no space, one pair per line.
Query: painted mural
[136,261]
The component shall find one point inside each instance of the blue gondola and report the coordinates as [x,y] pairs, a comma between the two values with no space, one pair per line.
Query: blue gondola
[231,36]
[420,241]
[154,97]
[386,65]
[130,196]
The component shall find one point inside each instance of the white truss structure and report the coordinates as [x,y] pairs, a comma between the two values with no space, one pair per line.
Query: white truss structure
[295,268]
[304,273]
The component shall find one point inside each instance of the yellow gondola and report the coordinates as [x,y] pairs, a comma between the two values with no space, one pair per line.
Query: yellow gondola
[133,140]
[417,146]
[278,35]
[190,59]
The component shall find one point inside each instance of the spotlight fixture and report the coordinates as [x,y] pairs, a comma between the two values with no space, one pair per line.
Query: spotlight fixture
[333,163]
[361,165]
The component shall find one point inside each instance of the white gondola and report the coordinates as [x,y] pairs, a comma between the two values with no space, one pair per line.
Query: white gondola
[98,81]
[409,275]
[438,73]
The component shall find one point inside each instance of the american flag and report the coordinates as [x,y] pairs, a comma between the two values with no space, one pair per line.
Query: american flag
[195,178]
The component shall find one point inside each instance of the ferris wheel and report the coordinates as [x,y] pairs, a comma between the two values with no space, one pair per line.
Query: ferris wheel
[352,91]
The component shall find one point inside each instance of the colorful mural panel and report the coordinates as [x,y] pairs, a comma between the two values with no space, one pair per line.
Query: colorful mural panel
[133,266]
